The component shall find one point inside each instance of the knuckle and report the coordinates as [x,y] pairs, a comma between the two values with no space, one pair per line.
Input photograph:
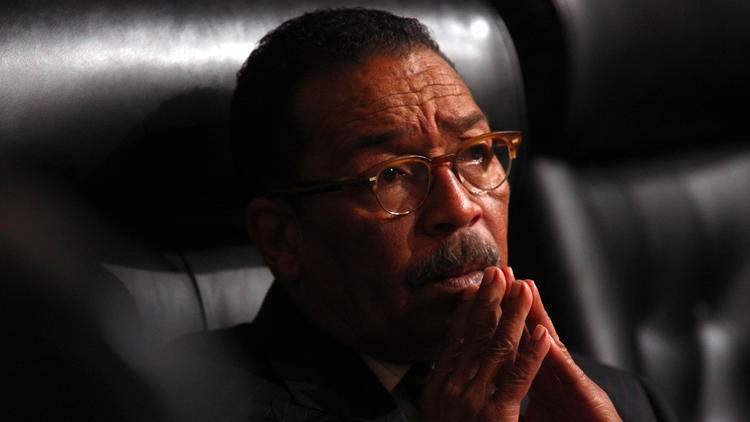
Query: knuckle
[481,340]
[514,387]
[518,308]
[481,334]
[502,349]
[469,402]
[531,354]
[484,322]
[521,373]
[491,306]
[488,318]
[514,316]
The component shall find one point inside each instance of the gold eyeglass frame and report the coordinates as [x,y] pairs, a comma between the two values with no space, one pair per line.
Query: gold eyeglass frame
[369,177]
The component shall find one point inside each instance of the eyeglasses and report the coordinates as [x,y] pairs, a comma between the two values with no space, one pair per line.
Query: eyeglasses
[401,184]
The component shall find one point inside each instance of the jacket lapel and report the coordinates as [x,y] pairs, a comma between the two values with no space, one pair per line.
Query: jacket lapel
[327,381]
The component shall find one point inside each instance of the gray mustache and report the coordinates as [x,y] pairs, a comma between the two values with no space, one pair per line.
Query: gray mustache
[456,252]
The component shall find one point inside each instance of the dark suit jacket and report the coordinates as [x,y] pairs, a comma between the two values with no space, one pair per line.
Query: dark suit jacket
[280,368]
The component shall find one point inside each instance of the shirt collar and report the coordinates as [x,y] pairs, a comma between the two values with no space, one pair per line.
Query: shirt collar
[388,373]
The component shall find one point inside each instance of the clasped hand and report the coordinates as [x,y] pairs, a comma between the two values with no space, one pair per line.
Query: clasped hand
[501,347]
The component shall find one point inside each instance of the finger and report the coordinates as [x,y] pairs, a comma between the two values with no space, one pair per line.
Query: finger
[481,324]
[455,337]
[563,365]
[560,376]
[559,373]
[504,346]
[444,385]
[556,374]
[537,314]
[531,354]
[560,379]
[509,277]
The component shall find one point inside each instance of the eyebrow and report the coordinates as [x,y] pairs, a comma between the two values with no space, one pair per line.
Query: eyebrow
[454,124]
[462,123]
[376,138]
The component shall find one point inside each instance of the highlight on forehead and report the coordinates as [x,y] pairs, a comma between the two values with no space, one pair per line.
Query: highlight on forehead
[410,82]
[386,98]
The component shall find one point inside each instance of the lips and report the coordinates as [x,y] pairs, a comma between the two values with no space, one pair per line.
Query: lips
[459,278]
[453,260]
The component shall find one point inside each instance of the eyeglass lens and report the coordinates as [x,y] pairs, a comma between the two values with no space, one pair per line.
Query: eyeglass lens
[482,166]
[403,187]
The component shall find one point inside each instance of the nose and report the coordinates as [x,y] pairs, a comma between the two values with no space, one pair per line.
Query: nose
[449,206]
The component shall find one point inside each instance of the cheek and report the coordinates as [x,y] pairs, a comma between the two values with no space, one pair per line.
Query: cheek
[355,266]
[495,211]
[366,247]
[495,203]
[376,248]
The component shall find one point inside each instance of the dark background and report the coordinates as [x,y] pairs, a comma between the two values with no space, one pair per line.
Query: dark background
[630,196]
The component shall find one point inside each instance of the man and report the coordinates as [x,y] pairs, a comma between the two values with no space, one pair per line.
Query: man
[380,203]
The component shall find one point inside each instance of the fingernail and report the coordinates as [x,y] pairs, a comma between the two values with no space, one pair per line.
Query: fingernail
[538,333]
[515,289]
[510,270]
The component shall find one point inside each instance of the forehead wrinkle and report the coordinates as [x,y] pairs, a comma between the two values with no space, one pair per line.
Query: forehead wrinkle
[378,97]
[416,120]
[404,87]
[411,84]
[388,114]
[415,97]
[365,114]
[413,100]
[433,81]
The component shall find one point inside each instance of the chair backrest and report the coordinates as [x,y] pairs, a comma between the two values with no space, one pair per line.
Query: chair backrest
[128,102]
[639,188]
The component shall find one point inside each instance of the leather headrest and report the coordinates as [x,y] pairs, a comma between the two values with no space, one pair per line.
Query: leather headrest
[151,82]
[630,77]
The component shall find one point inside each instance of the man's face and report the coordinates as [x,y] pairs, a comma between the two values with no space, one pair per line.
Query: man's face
[357,261]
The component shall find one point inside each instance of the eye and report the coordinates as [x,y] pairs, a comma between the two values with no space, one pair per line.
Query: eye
[392,175]
[477,153]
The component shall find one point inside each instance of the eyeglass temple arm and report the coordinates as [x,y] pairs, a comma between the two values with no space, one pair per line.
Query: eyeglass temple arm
[513,140]
[319,186]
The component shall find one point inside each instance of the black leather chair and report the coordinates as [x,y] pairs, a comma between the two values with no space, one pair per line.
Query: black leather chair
[127,103]
[117,111]
[638,189]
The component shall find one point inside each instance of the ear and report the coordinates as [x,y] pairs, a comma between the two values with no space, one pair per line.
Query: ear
[272,226]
